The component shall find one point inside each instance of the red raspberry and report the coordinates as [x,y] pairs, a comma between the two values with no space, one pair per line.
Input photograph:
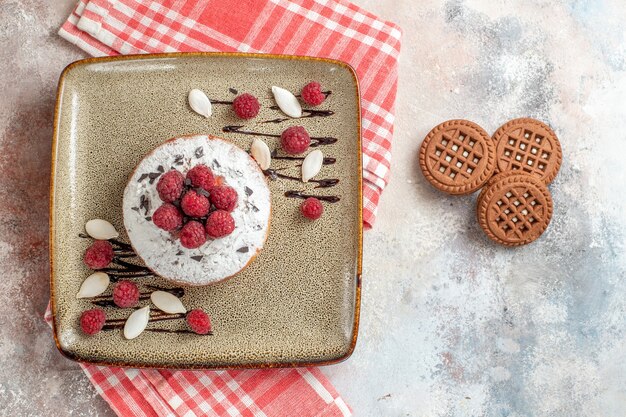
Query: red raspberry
[224,198]
[312,94]
[99,254]
[92,321]
[219,224]
[201,176]
[246,106]
[195,204]
[199,321]
[295,140]
[125,294]
[192,235]
[312,208]
[170,186]
[167,217]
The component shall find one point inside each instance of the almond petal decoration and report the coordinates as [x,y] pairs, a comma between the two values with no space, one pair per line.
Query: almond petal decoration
[287,102]
[137,322]
[167,302]
[101,229]
[200,103]
[94,285]
[261,153]
[312,165]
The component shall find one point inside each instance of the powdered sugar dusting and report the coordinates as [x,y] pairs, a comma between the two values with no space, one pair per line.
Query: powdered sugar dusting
[216,259]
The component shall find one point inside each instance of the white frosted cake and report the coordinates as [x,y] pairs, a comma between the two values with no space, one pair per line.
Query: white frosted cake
[174,249]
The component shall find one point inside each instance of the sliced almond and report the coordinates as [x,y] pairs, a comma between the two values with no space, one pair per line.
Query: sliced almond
[312,165]
[261,153]
[137,322]
[287,102]
[100,229]
[200,103]
[94,285]
[167,302]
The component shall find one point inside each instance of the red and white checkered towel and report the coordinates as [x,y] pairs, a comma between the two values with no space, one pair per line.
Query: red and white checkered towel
[326,28]
[333,29]
[302,392]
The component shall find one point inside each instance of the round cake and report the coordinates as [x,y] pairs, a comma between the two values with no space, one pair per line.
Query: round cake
[197,209]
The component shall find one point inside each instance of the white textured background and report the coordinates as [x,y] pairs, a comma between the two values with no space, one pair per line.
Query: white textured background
[452,325]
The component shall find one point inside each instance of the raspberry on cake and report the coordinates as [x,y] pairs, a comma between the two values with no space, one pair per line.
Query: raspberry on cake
[219,224]
[172,238]
[201,176]
[246,106]
[99,254]
[312,94]
[170,186]
[192,235]
[195,204]
[295,140]
[224,198]
[167,217]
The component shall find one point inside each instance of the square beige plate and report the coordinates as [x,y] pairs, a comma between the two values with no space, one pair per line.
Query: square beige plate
[298,302]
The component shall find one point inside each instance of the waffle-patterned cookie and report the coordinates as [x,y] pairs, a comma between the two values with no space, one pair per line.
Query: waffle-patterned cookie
[457,157]
[514,208]
[530,146]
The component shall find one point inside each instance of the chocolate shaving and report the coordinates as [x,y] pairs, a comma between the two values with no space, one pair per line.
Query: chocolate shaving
[144,203]
[255,208]
[135,208]
[233,91]
[149,218]
[203,192]
[197,258]
[244,249]
[153,176]
[248,190]
[216,164]
[180,252]
[199,152]
[142,177]
[178,160]
[160,169]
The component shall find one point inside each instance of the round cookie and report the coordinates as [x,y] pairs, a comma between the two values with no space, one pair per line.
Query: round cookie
[529,146]
[514,208]
[216,259]
[457,157]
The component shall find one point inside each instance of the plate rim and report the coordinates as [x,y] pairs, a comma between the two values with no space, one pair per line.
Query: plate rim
[53,166]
